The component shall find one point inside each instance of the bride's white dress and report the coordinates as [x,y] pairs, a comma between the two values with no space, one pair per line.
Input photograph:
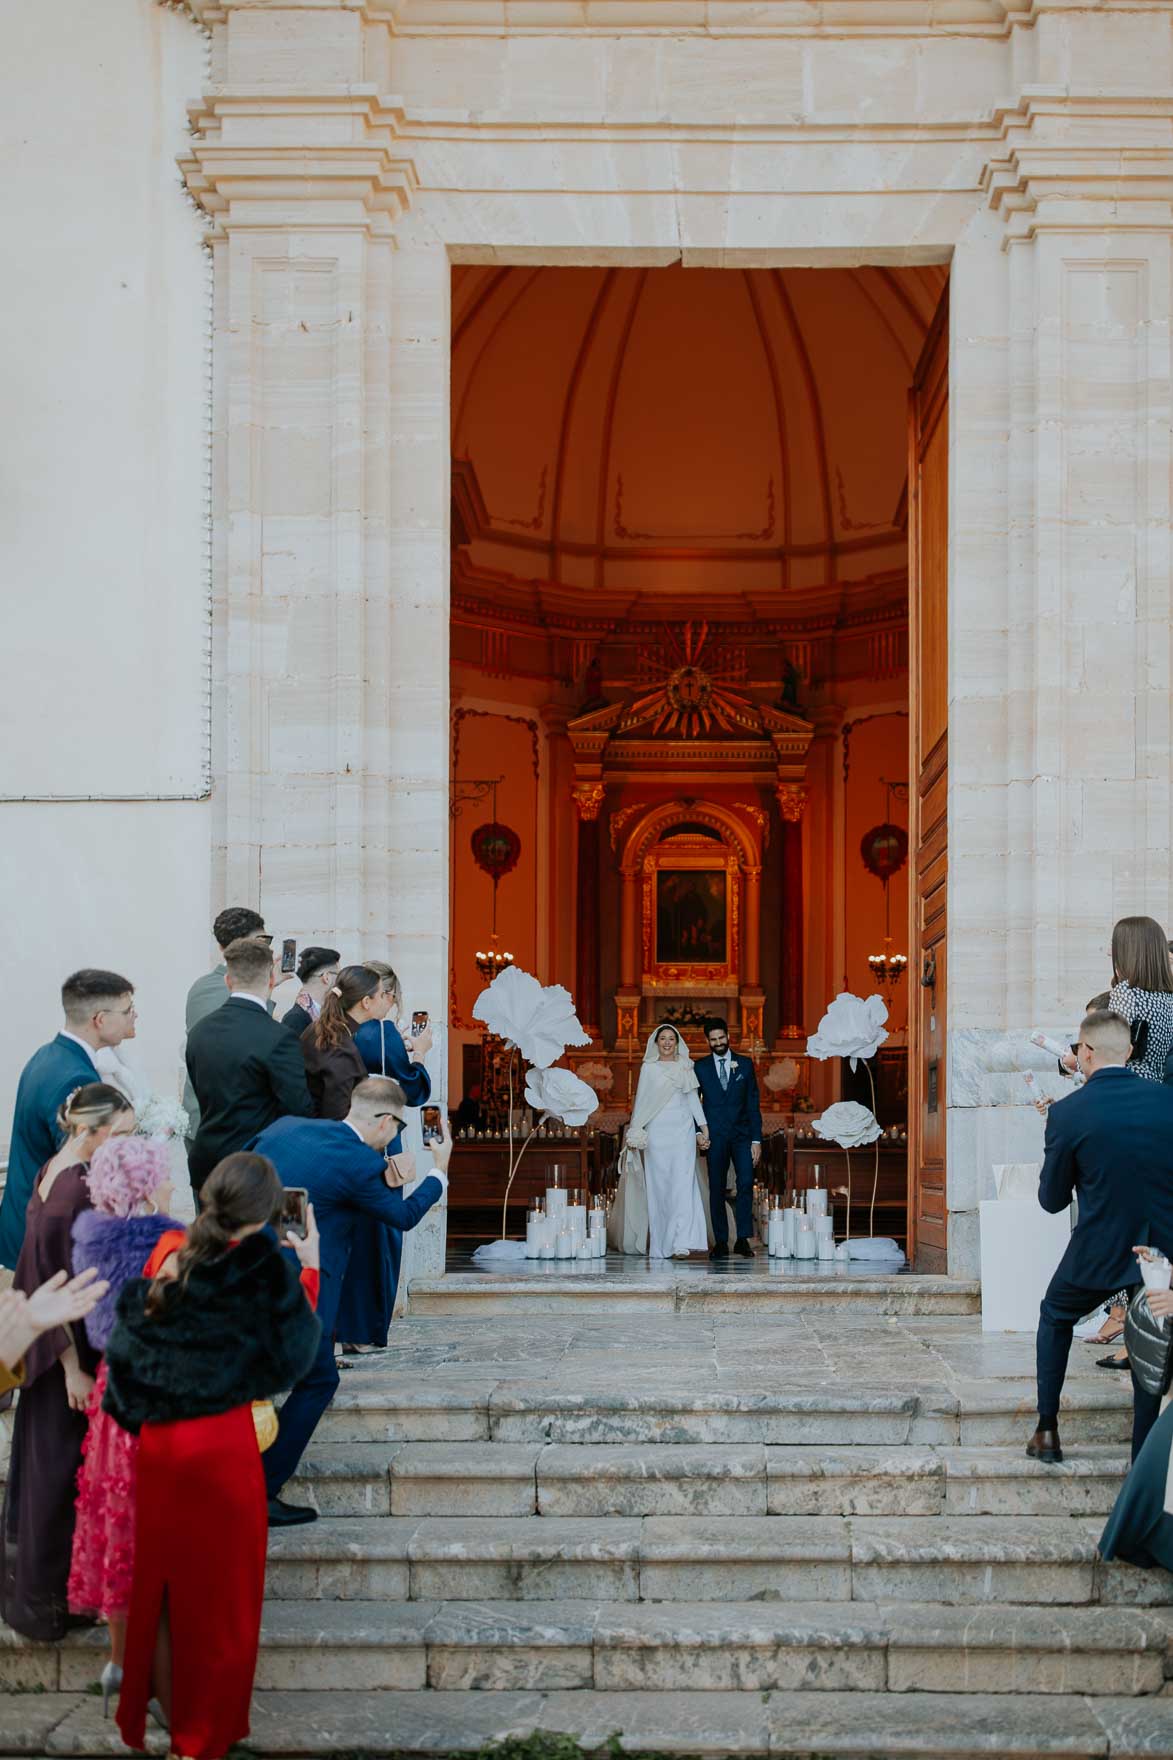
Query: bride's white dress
[676,1216]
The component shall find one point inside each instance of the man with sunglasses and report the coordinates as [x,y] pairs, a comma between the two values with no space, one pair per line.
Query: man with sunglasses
[1110,1145]
[343,1166]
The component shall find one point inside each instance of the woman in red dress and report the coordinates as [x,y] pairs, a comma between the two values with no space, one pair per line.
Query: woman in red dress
[223,1322]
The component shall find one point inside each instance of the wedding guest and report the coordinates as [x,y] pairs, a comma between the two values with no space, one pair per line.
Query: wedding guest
[60,1301]
[36,1530]
[99,1010]
[333,1062]
[1142,992]
[341,1164]
[1140,1527]
[317,971]
[200,1529]
[129,1182]
[208,993]
[368,1295]
[246,1069]
[1109,1144]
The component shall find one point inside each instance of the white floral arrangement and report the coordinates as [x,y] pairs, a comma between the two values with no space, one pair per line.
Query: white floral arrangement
[853,1028]
[558,1093]
[160,1117]
[849,1124]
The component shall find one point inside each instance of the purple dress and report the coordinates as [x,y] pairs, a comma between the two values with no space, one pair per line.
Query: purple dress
[36,1531]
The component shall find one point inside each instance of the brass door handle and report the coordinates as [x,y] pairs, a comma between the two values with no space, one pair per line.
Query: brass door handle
[928,969]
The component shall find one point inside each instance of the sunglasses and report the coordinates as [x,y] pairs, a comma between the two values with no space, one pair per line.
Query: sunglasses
[399,1122]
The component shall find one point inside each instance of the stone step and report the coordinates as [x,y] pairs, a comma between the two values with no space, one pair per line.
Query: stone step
[794,1725]
[490,1479]
[470,1646]
[372,1407]
[967,1561]
[762,1290]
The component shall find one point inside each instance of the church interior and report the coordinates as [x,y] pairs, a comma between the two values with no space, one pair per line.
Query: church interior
[680,673]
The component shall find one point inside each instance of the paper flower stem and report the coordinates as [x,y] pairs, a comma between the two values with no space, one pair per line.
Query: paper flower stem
[512,1162]
[847,1152]
[876,1174]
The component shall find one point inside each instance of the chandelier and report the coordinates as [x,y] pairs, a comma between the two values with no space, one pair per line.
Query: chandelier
[492,961]
[887,968]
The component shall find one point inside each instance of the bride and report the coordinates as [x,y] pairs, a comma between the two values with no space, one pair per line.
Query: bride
[668,1125]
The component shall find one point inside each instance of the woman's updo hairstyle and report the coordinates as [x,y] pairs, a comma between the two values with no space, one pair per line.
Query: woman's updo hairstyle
[124,1172]
[240,1191]
[332,1028]
[89,1107]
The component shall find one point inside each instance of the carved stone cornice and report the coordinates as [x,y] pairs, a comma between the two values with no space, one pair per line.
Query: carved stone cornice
[266,159]
[1078,161]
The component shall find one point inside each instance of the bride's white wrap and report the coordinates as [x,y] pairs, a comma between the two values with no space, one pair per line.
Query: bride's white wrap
[659,1081]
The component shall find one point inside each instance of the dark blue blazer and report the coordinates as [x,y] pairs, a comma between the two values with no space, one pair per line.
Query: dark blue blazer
[1110,1144]
[384,1053]
[346,1187]
[733,1114]
[48,1079]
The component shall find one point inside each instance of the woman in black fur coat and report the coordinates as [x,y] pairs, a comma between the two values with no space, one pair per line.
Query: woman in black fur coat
[220,1321]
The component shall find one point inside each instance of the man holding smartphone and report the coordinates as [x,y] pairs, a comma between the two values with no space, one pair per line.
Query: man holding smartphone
[341,1165]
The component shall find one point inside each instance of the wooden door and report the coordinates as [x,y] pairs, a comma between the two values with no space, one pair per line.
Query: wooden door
[928,582]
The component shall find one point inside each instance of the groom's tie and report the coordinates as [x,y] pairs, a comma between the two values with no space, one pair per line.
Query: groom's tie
[723,1067]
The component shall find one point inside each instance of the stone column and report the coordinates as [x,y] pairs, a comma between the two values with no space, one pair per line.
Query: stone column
[791,798]
[588,798]
[1059,605]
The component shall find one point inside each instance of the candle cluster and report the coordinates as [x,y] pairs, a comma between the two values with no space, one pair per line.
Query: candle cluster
[800,1228]
[563,1226]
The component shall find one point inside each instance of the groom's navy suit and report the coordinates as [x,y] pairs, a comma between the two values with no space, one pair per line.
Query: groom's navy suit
[733,1115]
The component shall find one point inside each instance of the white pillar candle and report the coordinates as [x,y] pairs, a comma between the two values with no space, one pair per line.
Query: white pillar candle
[546,1250]
[806,1244]
[556,1201]
[790,1237]
[564,1246]
[826,1244]
[816,1202]
[825,1225]
[575,1221]
[534,1231]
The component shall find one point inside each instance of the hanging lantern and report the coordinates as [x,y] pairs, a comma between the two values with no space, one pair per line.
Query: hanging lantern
[884,850]
[496,849]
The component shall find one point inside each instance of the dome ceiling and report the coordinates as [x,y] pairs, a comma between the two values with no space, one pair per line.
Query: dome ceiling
[687,431]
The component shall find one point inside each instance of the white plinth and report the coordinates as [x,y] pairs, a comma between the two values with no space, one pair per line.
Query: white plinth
[1021,1246]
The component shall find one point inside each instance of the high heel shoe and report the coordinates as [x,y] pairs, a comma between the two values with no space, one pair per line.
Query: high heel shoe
[110,1681]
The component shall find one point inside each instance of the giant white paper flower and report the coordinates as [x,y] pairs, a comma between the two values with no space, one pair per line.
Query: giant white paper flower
[560,1093]
[850,1028]
[600,1076]
[539,1020]
[782,1076]
[849,1124]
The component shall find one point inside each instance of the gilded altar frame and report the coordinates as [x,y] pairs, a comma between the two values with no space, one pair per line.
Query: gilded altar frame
[697,855]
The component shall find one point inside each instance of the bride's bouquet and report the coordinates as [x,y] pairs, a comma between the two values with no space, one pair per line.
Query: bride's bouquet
[160,1117]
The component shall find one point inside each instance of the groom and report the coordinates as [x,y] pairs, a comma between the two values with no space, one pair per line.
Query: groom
[729,1095]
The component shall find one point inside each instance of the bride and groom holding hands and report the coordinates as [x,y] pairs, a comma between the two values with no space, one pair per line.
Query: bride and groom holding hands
[682,1111]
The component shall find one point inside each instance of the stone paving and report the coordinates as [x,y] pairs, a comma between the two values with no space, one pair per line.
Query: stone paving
[802,1531]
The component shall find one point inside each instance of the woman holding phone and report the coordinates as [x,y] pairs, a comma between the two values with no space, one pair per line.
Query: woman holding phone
[202,1416]
[372,1278]
[333,1061]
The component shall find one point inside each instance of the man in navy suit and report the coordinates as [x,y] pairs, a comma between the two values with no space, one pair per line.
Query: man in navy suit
[729,1095]
[99,1010]
[342,1165]
[1110,1144]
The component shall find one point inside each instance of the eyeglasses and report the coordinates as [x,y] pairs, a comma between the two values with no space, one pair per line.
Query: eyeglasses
[399,1122]
[122,1011]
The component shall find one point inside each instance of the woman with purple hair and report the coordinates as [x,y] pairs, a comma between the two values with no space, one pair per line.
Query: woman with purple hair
[128,1180]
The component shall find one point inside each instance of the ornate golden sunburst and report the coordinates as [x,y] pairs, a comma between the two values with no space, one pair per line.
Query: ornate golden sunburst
[689,699]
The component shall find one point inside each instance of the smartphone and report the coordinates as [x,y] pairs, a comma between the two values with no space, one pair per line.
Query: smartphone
[419,1022]
[289,956]
[432,1128]
[294,1207]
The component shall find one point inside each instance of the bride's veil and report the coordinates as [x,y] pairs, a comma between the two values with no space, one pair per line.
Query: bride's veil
[652,1051]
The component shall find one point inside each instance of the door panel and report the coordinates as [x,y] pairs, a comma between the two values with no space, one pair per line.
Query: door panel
[928,533]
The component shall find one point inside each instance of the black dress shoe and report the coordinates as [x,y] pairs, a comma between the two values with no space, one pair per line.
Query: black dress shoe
[743,1249]
[289,1515]
[1044,1446]
[720,1250]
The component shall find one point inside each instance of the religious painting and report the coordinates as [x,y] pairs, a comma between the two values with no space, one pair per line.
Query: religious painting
[691,916]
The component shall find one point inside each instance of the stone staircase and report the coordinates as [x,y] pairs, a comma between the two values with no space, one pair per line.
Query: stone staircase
[792,1562]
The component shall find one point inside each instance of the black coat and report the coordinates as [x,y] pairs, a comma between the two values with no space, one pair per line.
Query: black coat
[240,1329]
[296,1019]
[247,1070]
[1110,1144]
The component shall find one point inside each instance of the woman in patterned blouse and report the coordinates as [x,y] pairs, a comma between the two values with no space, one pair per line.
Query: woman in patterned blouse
[1142,991]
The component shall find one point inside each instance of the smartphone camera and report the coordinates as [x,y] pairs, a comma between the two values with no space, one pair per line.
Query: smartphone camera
[419,1022]
[289,956]
[432,1128]
[295,1211]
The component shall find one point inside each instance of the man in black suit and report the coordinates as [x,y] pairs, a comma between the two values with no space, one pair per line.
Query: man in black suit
[1110,1144]
[733,1113]
[246,1068]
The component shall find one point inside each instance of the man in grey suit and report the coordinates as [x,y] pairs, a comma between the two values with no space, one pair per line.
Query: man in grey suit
[237,923]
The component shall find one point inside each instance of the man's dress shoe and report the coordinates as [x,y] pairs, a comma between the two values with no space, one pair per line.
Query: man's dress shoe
[289,1515]
[720,1250]
[1044,1446]
[743,1249]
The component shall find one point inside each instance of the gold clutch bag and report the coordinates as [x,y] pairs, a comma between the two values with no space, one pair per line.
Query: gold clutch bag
[265,1423]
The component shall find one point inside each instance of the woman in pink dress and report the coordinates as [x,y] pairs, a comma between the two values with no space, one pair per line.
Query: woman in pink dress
[128,1183]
